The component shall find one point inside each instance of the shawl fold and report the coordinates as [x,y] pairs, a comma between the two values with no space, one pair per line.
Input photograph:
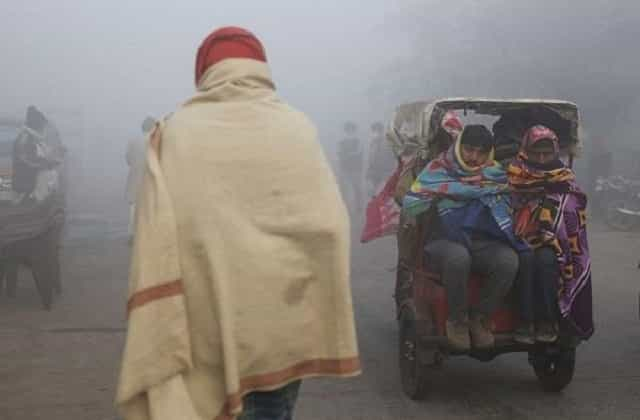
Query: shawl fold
[158,347]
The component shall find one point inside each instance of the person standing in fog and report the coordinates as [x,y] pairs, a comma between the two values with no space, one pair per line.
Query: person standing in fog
[30,155]
[600,163]
[135,160]
[350,162]
[239,281]
[381,159]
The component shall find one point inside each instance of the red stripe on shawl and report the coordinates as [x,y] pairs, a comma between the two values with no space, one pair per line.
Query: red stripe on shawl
[151,294]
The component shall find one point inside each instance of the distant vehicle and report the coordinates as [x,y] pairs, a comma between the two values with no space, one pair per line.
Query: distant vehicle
[30,227]
[619,200]
[422,316]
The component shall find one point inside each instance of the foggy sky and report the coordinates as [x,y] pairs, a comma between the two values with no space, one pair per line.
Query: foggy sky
[118,61]
[107,64]
[584,51]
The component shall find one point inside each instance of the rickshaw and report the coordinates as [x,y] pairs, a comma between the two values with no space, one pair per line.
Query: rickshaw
[420,297]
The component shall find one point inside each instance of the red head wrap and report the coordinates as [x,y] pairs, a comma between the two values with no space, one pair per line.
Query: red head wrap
[228,42]
[452,124]
[538,133]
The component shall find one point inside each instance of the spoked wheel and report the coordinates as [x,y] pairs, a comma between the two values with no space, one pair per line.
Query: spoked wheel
[618,220]
[555,370]
[412,372]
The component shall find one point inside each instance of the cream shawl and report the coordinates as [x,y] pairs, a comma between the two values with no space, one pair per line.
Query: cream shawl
[239,278]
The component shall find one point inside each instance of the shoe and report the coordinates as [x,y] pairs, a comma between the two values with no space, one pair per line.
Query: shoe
[481,335]
[546,332]
[525,333]
[458,335]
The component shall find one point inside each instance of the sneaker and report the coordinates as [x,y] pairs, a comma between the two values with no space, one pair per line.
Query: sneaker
[546,332]
[525,333]
[481,335]
[458,335]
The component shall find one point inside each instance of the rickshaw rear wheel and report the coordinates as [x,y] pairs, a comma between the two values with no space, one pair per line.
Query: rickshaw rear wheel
[555,370]
[413,373]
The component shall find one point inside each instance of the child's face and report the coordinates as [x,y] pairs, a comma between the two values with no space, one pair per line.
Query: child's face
[474,156]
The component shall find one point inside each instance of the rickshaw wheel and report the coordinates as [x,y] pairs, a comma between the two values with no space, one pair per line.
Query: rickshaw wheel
[412,371]
[554,371]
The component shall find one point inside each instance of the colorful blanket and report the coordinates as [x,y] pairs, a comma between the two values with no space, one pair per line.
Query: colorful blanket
[550,210]
[457,190]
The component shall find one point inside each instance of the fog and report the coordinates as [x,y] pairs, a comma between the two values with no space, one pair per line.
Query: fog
[581,51]
[98,68]
[109,64]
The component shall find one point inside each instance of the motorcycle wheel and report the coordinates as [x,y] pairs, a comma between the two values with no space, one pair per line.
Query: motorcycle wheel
[617,220]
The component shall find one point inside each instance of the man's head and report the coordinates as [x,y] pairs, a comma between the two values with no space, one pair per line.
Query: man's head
[148,124]
[540,145]
[350,127]
[542,152]
[476,144]
[34,119]
[225,43]
[377,128]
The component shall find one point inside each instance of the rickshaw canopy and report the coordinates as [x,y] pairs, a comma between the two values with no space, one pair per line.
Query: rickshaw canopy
[414,126]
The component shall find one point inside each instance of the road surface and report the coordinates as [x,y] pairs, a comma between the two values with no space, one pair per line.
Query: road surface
[63,364]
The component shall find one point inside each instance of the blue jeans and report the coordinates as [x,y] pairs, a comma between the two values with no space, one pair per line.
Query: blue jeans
[271,405]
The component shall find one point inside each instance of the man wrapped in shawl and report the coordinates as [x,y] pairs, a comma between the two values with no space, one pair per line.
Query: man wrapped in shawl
[239,280]
[550,214]
[473,230]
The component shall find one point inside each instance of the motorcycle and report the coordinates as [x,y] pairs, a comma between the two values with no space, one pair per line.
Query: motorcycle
[606,190]
[622,209]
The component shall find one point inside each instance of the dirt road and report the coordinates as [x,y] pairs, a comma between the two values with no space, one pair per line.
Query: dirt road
[62,365]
